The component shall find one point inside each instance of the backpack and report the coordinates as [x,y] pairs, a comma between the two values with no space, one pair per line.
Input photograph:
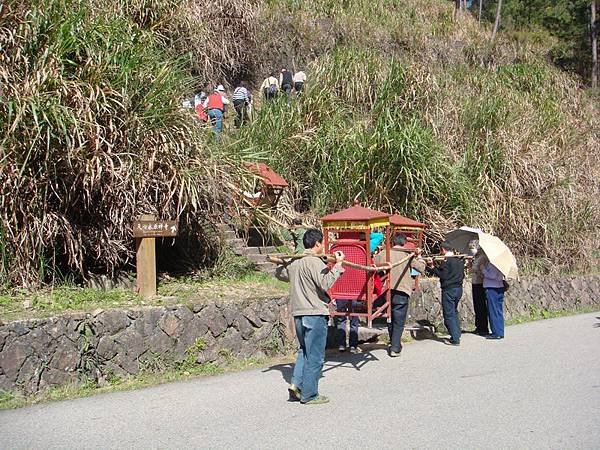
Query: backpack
[272,89]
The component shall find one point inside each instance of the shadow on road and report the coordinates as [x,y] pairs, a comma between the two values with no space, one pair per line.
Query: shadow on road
[335,360]
[424,330]
[597,325]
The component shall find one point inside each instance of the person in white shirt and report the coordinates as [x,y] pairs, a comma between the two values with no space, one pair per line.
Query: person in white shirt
[270,87]
[299,80]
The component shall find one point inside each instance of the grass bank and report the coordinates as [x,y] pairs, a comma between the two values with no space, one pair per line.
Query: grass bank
[50,301]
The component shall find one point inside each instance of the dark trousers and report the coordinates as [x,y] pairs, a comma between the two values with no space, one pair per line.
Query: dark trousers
[396,326]
[495,298]
[480,308]
[450,299]
[241,108]
[340,332]
[268,95]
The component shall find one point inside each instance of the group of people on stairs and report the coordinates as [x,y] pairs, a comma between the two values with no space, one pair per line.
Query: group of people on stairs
[213,106]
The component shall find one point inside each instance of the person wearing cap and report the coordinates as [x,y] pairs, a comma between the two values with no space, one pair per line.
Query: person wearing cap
[451,273]
[215,105]
[401,286]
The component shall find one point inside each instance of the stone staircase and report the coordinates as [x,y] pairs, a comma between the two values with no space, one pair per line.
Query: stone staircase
[258,255]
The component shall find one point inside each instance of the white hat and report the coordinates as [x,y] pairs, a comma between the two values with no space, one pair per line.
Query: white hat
[220,88]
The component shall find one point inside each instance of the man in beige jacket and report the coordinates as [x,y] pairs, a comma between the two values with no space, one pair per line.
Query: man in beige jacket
[401,286]
[310,279]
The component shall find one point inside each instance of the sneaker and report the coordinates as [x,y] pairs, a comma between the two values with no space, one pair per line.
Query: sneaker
[451,342]
[318,400]
[354,350]
[394,354]
[294,393]
[493,337]
[342,348]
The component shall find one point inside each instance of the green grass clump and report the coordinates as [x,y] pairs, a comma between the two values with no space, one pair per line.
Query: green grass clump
[50,301]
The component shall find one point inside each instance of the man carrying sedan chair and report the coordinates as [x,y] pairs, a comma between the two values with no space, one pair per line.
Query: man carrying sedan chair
[451,273]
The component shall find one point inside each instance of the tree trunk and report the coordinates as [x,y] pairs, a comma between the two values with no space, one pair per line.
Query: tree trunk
[480,10]
[594,35]
[497,23]
[457,5]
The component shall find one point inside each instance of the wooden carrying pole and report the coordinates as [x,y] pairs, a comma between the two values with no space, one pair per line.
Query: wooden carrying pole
[287,259]
[331,258]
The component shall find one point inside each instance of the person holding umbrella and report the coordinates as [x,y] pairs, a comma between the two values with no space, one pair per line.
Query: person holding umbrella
[501,265]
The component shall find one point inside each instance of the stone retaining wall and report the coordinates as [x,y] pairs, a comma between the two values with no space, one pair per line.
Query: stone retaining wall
[40,353]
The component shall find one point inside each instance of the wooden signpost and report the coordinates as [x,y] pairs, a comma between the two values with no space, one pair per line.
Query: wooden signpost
[145,230]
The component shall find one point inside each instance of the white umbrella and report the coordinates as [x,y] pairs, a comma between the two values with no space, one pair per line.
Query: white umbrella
[497,251]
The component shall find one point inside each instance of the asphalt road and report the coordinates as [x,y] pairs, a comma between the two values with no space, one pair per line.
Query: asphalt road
[538,388]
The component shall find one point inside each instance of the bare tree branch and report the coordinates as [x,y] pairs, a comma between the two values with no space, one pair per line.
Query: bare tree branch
[497,23]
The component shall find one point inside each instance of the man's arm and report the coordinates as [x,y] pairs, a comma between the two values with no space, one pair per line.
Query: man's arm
[322,276]
[440,271]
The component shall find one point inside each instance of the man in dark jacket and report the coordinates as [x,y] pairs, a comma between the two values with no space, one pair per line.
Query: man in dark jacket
[451,273]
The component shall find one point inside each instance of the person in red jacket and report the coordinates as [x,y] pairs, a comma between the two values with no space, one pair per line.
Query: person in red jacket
[215,106]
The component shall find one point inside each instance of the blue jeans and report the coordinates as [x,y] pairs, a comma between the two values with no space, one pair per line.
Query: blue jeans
[396,325]
[450,299]
[495,300]
[311,332]
[340,334]
[216,118]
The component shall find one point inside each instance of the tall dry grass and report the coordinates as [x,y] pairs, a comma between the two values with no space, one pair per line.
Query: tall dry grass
[91,137]
[424,116]
[405,108]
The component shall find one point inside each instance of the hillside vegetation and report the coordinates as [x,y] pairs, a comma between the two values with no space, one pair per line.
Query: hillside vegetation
[406,110]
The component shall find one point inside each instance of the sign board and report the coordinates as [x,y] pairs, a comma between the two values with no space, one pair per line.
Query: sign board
[155,228]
